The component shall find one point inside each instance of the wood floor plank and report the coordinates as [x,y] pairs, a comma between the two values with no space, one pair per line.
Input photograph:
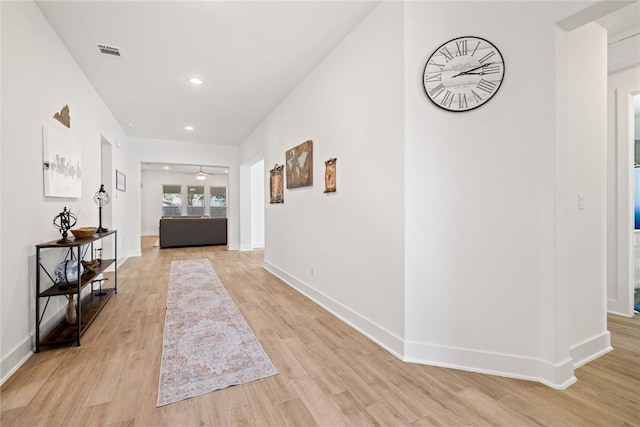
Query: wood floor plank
[261,405]
[354,413]
[322,409]
[386,415]
[20,389]
[209,411]
[296,413]
[329,373]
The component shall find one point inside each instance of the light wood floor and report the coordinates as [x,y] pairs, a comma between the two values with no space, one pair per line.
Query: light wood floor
[329,373]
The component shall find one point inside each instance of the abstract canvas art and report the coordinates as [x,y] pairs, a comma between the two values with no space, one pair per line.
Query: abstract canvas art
[61,163]
[300,165]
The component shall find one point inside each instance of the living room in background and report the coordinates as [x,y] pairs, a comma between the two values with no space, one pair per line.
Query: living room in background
[195,200]
[171,200]
[218,202]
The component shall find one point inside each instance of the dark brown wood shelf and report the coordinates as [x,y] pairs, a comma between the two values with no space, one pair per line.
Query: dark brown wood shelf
[87,306]
[66,333]
[86,279]
[72,243]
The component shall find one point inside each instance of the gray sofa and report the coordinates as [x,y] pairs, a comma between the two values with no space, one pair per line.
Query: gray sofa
[192,231]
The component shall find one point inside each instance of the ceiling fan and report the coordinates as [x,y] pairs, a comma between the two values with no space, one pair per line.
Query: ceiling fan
[200,175]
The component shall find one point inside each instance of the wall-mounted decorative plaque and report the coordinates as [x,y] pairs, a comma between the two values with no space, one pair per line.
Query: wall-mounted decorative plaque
[63,116]
[330,175]
[275,184]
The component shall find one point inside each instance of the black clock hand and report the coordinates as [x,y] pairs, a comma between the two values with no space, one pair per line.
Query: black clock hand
[472,69]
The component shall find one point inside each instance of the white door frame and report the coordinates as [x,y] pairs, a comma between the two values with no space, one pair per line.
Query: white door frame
[622,302]
[246,237]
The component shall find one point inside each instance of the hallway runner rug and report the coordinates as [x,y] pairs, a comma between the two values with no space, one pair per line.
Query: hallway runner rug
[207,344]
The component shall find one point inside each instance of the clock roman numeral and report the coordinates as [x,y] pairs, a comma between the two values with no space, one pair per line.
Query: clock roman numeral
[434,78]
[461,47]
[436,90]
[445,52]
[432,62]
[462,100]
[491,69]
[477,97]
[474,49]
[447,99]
[486,57]
[486,85]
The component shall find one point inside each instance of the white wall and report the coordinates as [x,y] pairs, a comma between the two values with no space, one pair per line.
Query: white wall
[39,77]
[258,191]
[151,194]
[351,107]
[160,151]
[587,128]
[481,289]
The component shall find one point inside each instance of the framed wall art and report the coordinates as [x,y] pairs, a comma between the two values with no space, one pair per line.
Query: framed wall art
[330,175]
[121,181]
[62,169]
[300,165]
[275,184]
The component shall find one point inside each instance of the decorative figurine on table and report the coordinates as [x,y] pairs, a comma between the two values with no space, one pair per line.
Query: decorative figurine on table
[101,198]
[99,255]
[64,221]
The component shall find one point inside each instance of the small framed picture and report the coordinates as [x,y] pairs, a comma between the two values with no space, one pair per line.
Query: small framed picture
[330,175]
[121,181]
[275,184]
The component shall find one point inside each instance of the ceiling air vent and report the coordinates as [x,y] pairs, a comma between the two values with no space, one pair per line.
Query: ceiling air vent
[108,50]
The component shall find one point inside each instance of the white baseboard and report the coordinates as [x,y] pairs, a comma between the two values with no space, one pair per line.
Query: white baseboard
[558,376]
[615,306]
[619,314]
[15,359]
[245,247]
[381,336]
[257,245]
[590,349]
[23,351]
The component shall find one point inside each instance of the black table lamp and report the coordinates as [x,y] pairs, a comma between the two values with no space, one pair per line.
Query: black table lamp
[101,199]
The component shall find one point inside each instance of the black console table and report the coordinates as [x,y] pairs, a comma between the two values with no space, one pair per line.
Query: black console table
[87,307]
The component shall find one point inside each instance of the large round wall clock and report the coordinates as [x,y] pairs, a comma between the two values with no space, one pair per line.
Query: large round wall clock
[463,74]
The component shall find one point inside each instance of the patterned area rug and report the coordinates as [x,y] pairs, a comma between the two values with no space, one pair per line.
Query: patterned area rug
[207,343]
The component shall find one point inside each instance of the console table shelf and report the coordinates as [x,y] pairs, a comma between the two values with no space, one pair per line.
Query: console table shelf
[86,279]
[87,306]
[65,333]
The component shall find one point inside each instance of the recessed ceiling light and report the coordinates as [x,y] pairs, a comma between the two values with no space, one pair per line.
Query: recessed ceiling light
[167,168]
[226,171]
[195,81]
[188,127]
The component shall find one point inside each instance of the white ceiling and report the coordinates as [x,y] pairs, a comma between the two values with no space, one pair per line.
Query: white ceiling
[622,21]
[183,168]
[250,55]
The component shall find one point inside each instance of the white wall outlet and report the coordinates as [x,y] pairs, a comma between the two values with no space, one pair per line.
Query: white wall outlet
[311,271]
[580,201]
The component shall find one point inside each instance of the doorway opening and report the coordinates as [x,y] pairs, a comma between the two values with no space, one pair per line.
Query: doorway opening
[252,203]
